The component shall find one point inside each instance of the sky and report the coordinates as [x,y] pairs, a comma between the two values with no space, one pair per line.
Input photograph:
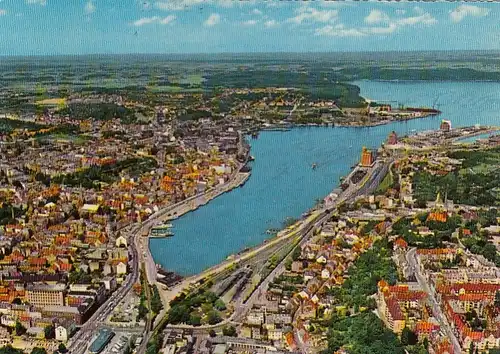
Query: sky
[52,27]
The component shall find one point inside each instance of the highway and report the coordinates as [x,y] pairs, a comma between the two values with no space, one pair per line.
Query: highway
[411,258]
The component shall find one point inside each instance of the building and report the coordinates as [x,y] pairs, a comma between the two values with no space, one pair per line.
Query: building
[45,294]
[392,139]
[367,157]
[64,331]
[445,125]
[68,313]
[105,335]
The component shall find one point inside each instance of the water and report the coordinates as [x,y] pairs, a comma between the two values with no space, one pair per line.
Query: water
[477,137]
[283,183]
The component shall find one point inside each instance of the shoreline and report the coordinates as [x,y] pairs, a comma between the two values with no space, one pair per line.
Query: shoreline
[238,180]
[354,124]
[184,207]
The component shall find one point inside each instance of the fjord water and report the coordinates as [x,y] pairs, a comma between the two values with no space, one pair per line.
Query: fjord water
[283,184]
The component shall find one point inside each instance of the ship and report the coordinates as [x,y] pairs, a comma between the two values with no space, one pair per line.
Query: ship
[313,166]
[161,231]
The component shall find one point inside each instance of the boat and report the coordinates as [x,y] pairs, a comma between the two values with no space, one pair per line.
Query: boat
[161,231]
[314,166]
[168,225]
[251,158]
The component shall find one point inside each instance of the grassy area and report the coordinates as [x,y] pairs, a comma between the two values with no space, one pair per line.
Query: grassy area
[76,139]
[197,308]
[52,102]
[474,183]
[190,79]
[386,183]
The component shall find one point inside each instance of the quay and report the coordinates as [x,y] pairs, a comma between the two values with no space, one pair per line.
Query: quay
[176,210]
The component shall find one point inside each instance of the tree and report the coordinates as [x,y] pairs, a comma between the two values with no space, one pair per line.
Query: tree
[62,348]
[220,305]
[195,319]
[213,317]
[20,329]
[229,331]
[408,337]
[426,343]
[471,348]
[38,350]
[8,349]
[212,333]
[49,332]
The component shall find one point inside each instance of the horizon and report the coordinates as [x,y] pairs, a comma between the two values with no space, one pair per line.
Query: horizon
[399,52]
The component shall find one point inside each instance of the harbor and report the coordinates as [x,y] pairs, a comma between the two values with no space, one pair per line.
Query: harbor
[284,184]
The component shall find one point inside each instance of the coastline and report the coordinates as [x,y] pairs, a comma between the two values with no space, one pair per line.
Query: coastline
[238,180]
[353,124]
[186,206]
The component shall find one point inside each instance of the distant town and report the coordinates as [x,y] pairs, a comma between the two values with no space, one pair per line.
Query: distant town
[405,250]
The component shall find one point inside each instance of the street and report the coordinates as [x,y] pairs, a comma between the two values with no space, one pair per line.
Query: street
[411,258]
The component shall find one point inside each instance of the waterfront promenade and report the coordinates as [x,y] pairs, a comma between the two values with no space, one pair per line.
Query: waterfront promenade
[174,211]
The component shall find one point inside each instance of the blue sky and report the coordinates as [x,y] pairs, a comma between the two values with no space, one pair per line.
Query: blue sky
[41,27]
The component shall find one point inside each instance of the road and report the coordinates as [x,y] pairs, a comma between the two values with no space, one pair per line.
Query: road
[81,339]
[411,258]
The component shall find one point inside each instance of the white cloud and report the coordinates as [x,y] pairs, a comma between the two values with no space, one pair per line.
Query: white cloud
[37,2]
[89,7]
[168,19]
[386,25]
[425,19]
[155,19]
[212,20]
[145,21]
[270,23]
[338,31]
[305,14]
[463,11]
[376,16]
[256,12]
[176,5]
[249,23]
[3,12]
